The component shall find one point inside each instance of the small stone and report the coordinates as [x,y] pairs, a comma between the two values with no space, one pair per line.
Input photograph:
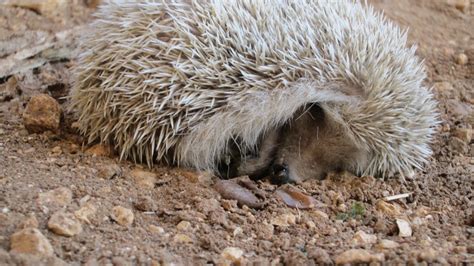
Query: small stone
[284,220]
[458,145]
[56,151]
[145,204]
[237,231]
[461,5]
[319,215]
[428,255]
[109,171]
[182,238]
[58,197]
[144,179]
[460,249]
[388,208]
[404,228]
[92,3]
[183,226]
[100,150]
[464,134]
[31,241]
[233,255]
[42,113]
[29,222]
[388,244]
[64,224]
[362,238]
[354,256]
[85,212]
[319,255]
[461,59]
[122,216]
[156,229]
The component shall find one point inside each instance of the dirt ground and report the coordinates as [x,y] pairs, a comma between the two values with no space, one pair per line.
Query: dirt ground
[179,217]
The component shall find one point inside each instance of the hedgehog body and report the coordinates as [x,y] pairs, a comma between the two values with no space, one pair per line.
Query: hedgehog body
[180,80]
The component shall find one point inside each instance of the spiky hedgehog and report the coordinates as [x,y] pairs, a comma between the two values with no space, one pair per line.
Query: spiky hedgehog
[178,81]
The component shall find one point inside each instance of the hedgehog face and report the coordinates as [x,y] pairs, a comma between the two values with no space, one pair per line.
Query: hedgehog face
[308,146]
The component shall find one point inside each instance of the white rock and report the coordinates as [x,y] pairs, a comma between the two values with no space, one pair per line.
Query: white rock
[64,224]
[362,238]
[404,228]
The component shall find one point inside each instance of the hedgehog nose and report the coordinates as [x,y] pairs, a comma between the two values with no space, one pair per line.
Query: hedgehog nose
[279,174]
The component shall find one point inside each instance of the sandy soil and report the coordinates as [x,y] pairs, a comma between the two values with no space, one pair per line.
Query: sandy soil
[179,217]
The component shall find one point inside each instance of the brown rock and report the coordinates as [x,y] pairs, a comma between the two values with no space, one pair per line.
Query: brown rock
[184,226]
[461,59]
[233,255]
[58,197]
[354,256]
[144,179]
[182,238]
[122,216]
[464,134]
[458,145]
[64,224]
[109,171]
[100,150]
[145,204]
[388,208]
[42,113]
[31,241]
[85,212]
[29,222]
[284,220]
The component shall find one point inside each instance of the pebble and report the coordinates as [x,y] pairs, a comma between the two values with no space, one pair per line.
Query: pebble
[145,204]
[109,171]
[388,208]
[100,150]
[284,220]
[184,226]
[85,212]
[458,145]
[182,238]
[461,5]
[387,244]
[461,59]
[319,255]
[64,224]
[319,215]
[464,134]
[354,256]
[42,113]
[58,197]
[29,222]
[362,238]
[428,255]
[31,241]
[122,216]
[156,229]
[233,255]
[404,228]
[144,179]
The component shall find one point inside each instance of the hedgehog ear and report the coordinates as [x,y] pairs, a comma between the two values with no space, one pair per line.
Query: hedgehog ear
[316,112]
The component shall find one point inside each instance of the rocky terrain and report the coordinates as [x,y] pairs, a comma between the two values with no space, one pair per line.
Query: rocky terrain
[64,202]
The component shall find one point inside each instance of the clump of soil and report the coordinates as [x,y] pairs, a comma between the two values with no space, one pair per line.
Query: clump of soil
[62,202]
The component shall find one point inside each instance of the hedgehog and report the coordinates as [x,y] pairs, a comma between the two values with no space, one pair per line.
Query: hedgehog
[289,88]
